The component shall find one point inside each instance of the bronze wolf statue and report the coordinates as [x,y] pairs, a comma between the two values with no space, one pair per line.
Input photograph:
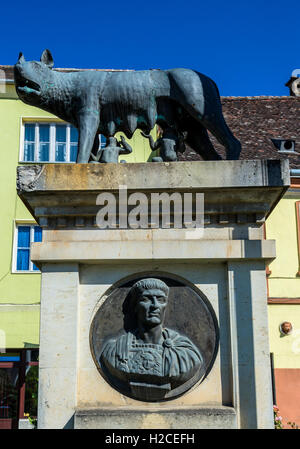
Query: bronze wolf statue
[107,102]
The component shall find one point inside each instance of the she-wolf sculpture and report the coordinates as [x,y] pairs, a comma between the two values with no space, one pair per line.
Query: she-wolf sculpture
[106,102]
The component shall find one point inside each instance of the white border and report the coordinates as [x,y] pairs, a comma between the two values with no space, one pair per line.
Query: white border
[22,222]
[44,121]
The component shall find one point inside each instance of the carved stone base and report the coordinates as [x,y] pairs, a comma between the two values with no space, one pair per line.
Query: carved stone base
[176,418]
[83,265]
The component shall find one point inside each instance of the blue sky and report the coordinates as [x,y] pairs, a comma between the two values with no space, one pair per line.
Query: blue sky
[247,47]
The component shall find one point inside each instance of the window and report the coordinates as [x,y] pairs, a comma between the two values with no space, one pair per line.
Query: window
[102,141]
[49,142]
[25,235]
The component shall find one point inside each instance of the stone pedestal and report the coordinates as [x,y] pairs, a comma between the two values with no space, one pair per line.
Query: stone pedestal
[81,264]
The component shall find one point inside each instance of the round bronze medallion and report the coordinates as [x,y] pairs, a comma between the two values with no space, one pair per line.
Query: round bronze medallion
[154,337]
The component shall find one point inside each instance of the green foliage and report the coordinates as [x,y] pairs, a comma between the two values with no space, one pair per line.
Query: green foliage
[31,394]
[32,421]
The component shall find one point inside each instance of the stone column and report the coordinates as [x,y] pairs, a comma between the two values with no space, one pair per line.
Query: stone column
[58,346]
[249,346]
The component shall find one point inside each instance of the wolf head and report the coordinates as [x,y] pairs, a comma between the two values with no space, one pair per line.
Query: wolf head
[33,78]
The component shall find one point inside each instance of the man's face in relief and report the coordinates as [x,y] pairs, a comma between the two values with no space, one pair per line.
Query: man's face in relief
[150,307]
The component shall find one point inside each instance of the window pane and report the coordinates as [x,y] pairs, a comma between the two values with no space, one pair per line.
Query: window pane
[23,236]
[44,131]
[29,140]
[29,132]
[60,144]
[43,152]
[38,233]
[73,134]
[73,143]
[73,153]
[60,152]
[102,140]
[23,259]
[60,133]
[28,152]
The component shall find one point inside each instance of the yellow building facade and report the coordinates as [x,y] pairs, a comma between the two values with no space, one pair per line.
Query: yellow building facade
[284,302]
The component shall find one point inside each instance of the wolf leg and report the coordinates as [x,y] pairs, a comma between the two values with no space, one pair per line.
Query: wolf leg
[88,127]
[197,138]
[167,152]
[219,128]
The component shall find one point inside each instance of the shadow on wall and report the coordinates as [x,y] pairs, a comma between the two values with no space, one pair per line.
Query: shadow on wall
[70,423]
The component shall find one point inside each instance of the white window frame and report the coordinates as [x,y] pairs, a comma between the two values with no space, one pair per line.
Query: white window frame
[32,225]
[52,138]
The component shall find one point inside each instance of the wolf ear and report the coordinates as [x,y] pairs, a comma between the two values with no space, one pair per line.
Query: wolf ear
[21,58]
[47,59]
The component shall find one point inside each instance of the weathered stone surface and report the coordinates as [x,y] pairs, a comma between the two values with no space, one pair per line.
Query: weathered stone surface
[58,345]
[65,195]
[172,418]
[28,179]
[166,176]
[25,424]
[102,251]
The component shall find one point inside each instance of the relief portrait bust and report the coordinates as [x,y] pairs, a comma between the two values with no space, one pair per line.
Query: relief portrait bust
[148,359]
